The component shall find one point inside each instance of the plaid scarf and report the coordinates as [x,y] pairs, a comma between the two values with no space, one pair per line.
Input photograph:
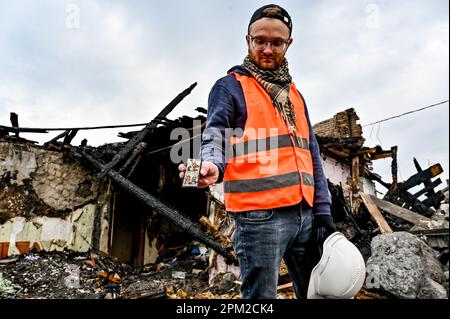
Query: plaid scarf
[277,84]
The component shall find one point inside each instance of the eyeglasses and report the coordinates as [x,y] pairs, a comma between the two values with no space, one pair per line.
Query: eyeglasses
[261,43]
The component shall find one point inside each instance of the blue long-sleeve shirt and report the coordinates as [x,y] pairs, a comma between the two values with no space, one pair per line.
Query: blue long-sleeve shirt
[227,109]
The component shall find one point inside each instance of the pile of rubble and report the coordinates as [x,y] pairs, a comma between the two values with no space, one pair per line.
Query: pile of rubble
[180,273]
[407,262]
[95,275]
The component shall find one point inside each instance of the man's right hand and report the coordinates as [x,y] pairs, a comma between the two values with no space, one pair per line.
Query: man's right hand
[209,174]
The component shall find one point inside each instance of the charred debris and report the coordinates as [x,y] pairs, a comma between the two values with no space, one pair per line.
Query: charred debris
[114,222]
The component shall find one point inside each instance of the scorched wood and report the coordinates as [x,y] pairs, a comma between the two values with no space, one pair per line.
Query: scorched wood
[143,133]
[159,207]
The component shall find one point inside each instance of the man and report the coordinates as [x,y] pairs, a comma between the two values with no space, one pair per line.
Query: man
[274,183]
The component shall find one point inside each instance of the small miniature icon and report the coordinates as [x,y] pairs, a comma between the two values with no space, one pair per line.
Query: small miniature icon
[192,174]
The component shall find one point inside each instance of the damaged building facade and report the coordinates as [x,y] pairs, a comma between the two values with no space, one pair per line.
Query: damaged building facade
[48,202]
[51,201]
[126,200]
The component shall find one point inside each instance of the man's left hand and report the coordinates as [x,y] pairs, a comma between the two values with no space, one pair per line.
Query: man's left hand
[323,226]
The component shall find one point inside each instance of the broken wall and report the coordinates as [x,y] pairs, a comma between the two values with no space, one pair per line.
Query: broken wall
[47,200]
[343,125]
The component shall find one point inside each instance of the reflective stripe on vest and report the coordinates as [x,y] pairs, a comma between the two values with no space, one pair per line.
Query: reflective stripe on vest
[267,143]
[268,167]
[267,183]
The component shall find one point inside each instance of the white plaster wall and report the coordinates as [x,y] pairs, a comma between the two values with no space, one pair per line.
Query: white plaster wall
[51,233]
[336,172]
[369,187]
[340,174]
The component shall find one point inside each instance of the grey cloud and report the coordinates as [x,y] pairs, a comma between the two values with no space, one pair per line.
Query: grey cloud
[128,59]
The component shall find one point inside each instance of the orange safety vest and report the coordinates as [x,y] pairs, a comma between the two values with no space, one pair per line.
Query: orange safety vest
[265,170]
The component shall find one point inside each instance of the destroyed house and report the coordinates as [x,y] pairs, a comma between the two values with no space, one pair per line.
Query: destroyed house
[126,199]
[53,200]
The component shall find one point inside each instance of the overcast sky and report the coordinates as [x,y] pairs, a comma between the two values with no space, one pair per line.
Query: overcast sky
[90,63]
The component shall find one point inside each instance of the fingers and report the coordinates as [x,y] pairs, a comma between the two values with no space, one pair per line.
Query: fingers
[204,171]
[204,182]
[208,169]
[209,174]
[182,169]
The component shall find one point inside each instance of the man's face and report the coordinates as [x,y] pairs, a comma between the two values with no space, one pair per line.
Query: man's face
[268,56]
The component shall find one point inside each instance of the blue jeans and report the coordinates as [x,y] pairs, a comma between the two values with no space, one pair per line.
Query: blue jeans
[263,238]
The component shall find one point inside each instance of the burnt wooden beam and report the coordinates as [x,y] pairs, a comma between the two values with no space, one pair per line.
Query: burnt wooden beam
[394,169]
[133,167]
[159,207]
[341,153]
[144,294]
[434,200]
[202,110]
[382,155]
[135,157]
[22,129]
[14,118]
[374,177]
[143,133]
[421,177]
[417,165]
[375,152]
[430,232]
[433,185]
[53,140]
[427,183]
[401,212]
[375,213]
[400,196]
[69,137]
[408,201]
[127,135]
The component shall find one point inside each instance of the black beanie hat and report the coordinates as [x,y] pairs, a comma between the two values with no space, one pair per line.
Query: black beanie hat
[272,11]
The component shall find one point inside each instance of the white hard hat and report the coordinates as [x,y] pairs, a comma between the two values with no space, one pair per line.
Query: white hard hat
[340,272]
